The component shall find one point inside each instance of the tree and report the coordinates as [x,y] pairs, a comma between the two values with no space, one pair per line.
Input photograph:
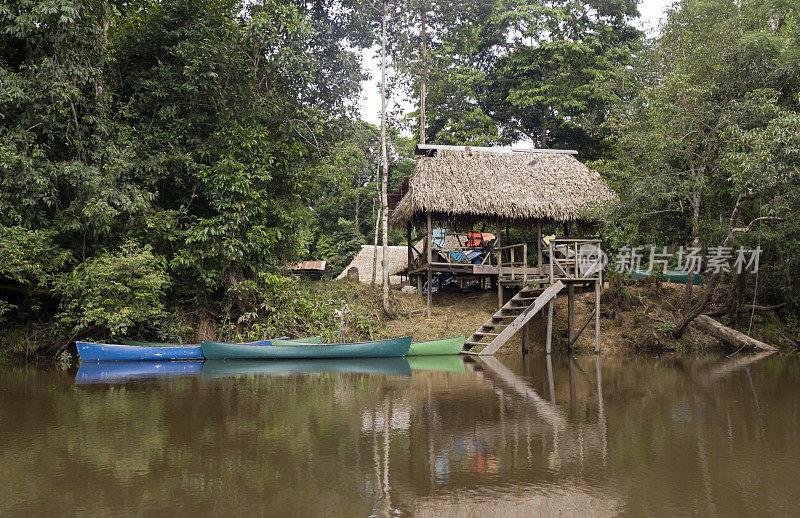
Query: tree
[384,163]
[712,85]
[549,85]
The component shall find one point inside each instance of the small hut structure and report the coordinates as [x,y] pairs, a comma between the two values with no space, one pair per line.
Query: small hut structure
[313,269]
[398,264]
[459,187]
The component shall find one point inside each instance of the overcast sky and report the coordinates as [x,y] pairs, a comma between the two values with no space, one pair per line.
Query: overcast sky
[651,12]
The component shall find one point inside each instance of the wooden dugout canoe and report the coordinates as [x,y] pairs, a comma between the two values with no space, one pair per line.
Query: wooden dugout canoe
[156,344]
[452,345]
[296,349]
[671,275]
[95,352]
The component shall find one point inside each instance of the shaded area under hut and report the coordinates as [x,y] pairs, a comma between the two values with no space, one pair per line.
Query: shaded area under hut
[481,213]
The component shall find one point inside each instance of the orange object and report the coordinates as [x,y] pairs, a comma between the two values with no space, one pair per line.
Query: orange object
[474,239]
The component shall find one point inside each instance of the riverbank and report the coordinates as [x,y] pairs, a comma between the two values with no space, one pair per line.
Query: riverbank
[636,316]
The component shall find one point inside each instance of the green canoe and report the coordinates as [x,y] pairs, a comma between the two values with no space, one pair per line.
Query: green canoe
[443,363]
[451,345]
[671,275]
[297,349]
[240,368]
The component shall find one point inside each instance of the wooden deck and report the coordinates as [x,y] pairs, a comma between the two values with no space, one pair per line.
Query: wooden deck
[571,261]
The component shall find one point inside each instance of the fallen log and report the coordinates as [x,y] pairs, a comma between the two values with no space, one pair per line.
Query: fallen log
[727,334]
[767,309]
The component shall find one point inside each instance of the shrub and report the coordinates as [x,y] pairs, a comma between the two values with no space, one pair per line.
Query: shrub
[115,291]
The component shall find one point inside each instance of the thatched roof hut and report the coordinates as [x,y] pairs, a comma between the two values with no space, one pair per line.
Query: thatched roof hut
[398,263]
[466,185]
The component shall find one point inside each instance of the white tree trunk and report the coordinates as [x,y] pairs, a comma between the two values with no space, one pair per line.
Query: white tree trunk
[385,163]
[423,89]
[377,229]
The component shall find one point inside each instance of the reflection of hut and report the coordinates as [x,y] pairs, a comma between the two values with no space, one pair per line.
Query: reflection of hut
[462,187]
[398,263]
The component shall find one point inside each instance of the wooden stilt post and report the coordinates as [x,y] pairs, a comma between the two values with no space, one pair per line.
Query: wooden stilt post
[539,245]
[410,253]
[525,264]
[598,283]
[571,313]
[549,345]
[499,266]
[430,260]
[499,294]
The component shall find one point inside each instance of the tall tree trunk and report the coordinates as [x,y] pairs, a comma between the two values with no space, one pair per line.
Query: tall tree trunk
[543,140]
[99,86]
[712,284]
[423,89]
[377,229]
[687,291]
[355,223]
[385,163]
[737,289]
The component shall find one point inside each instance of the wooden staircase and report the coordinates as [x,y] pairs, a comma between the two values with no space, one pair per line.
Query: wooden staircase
[519,309]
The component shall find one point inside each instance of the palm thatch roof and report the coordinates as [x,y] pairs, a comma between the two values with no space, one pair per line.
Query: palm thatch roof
[398,263]
[480,184]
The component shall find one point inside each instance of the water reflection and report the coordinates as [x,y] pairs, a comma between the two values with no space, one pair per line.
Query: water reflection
[236,368]
[119,372]
[513,436]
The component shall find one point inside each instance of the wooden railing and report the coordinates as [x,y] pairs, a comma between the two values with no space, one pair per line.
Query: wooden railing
[512,261]
[450,261]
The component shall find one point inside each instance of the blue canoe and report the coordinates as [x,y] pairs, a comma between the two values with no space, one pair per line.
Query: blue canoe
[121,372]
[93,352]
[297,349]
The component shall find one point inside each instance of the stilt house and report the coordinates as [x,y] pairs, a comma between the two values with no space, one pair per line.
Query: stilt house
[469,188]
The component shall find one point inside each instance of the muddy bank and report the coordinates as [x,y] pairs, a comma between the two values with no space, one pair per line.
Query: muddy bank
[636,316]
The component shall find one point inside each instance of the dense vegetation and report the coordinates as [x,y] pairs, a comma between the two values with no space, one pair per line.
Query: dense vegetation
[162,161]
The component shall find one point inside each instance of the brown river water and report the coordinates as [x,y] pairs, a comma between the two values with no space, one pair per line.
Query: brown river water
[607,436]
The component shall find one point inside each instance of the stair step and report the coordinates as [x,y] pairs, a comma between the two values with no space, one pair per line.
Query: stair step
[485,334]
[475,343]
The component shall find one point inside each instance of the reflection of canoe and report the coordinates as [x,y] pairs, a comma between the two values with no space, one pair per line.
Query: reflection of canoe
[235,368]
[444,346]
[111,372]
[443,363]
[92,352]
[296,349]
[671,275]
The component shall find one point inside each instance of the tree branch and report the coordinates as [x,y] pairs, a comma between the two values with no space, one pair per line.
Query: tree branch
[749,226]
